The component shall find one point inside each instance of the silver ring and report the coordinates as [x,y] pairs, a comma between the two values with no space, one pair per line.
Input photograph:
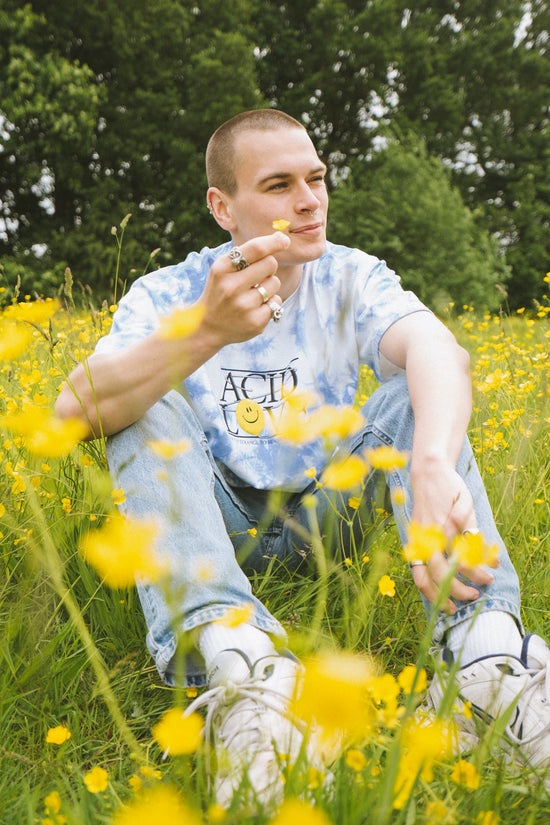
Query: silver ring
[276,310]
[417,564]
[473,532]
[237,258]
[263,293]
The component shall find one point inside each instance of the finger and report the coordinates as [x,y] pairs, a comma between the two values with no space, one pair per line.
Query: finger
[268,288]
[439,569]
[259,248]
[426,585]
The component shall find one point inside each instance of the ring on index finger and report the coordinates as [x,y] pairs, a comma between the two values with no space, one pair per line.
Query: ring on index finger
[417,564]
[237,258]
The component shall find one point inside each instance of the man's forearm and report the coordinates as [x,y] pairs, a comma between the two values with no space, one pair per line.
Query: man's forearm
[113,390]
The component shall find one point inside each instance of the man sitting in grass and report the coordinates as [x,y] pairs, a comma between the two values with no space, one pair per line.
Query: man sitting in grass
[283,315]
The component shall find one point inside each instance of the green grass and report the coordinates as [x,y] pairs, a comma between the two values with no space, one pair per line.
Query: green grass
[90,670]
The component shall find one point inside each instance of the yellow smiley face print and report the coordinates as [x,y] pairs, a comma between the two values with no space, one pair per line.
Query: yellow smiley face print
[250,416]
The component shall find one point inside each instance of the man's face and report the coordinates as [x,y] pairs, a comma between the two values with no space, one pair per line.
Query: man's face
[280,176]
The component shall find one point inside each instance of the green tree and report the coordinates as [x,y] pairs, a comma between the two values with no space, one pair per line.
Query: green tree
[402,207]
[142,86]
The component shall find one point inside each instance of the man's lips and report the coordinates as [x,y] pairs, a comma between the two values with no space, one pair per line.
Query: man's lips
[311,227]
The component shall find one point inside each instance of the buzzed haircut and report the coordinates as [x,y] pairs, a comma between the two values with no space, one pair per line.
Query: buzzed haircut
[220,152]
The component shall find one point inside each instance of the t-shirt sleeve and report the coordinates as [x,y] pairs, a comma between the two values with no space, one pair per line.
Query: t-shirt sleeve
[135,318]
[381,302]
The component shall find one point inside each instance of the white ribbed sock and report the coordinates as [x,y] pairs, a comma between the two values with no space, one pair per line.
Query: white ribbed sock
[490,633]
[214,637]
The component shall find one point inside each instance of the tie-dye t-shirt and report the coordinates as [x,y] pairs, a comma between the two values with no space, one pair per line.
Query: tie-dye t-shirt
[331,325]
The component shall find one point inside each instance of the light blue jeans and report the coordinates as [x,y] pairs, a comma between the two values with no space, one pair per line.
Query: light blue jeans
[205,514]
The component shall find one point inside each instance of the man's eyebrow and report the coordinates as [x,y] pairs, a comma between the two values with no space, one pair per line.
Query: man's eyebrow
[285,175]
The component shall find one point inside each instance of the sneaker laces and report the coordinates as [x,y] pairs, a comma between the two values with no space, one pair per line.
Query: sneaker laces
[229,695]
[540,680]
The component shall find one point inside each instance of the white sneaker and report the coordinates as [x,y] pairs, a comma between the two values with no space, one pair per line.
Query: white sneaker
[504,685]
[250,727]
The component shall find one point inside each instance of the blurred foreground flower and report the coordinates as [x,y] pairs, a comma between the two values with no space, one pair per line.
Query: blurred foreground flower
[235,616]
[464,773]
[472,549]
[58,735]
[386,459]
[346,474]
[424,541]
[298,812]
[335,696]
[333,424]
[14,340]
[168,449]
[123,549]
[177,734]
[423,742]
[161,804]
[182,322]
[33,312]
[96,780]
[44,434]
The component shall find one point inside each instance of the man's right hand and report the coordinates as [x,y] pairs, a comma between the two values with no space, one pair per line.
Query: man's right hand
[235,310]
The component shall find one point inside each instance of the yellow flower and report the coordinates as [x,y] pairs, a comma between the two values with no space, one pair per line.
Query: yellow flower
[18,486]
[216,813]
[67,505]
[136,783]
[335,696]
[34,312]
[252,531]
[2,510]
[345,474]
[96,780]
[472,550]
[437,811]
[311,473]
[118,497]
[355,759]
[235,616]
[295,422]
[168,449]
[386,459]
[488,817]
[354,502]
[424,541]
[177,734]
[386,586]
[298,812]
[182,323]
[161,804]
[52,802]
[464,773]
[14,340]
[280,225]
[43,433]
[58,735]
[423,742]
[335,422]
[407,678]
[121,550]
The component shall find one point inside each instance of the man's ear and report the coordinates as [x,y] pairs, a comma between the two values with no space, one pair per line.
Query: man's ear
[219,206]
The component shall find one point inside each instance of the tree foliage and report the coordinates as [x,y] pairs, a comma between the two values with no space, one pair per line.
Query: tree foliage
[106,109]
[402,207]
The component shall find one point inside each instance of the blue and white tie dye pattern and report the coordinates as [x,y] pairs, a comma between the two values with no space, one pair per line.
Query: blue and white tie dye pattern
[331,325]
